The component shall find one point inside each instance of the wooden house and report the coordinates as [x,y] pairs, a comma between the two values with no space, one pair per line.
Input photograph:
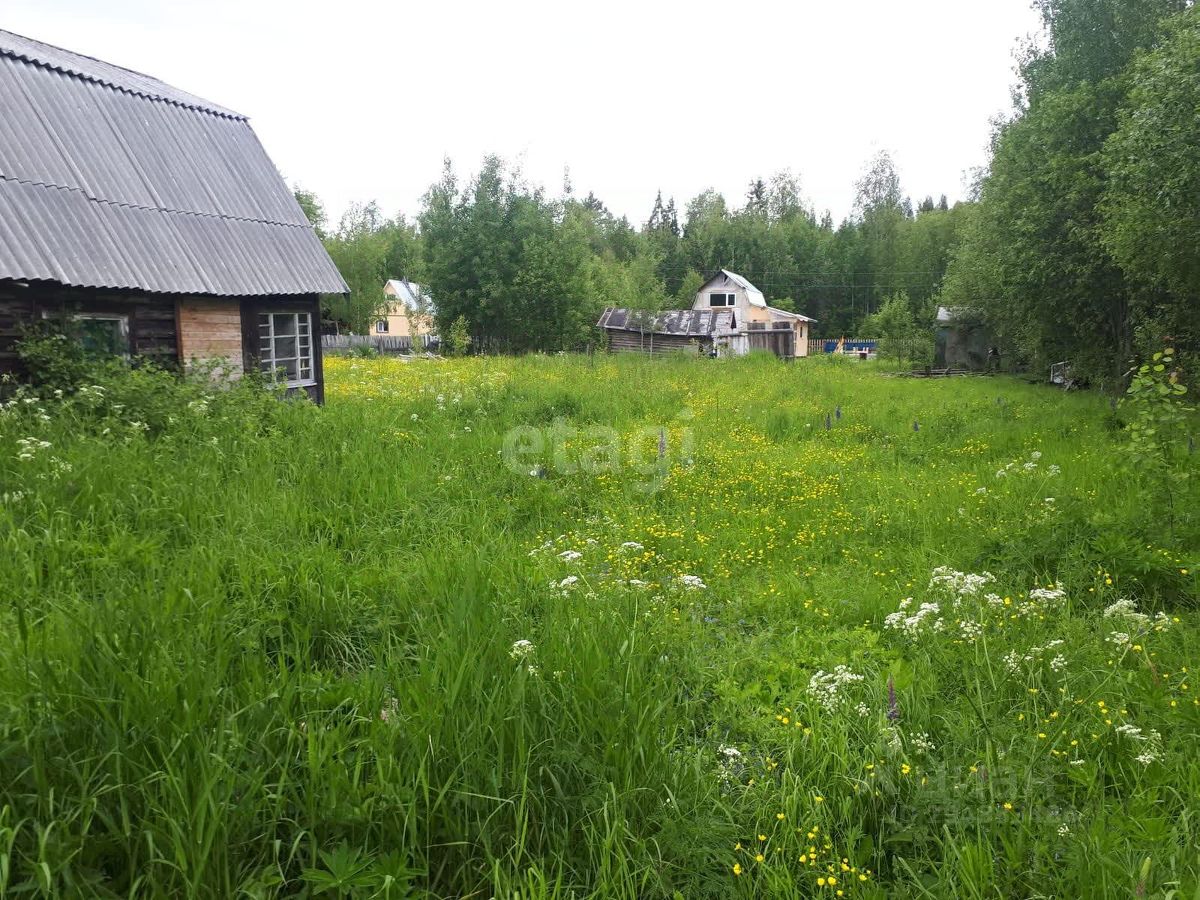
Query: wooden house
[153,220]
[728,316]
[406,313]
[759,326]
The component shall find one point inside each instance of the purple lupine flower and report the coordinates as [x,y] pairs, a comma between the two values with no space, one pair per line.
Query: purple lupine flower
[828,424]
[837,413]
[916,425]
[893,713]
[662,443]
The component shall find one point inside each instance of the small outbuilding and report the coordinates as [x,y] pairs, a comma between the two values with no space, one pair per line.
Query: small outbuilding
[690,330]
[961,339]
[151,219]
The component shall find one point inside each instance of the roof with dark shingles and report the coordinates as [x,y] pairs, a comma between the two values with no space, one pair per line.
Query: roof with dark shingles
[113,179]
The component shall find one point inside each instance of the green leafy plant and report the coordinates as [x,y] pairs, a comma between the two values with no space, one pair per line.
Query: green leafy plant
[458,341]
[1159,418]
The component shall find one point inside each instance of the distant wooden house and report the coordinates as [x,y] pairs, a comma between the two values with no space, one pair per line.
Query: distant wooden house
[759,326]
[407,312]
[729,315]
[151,220]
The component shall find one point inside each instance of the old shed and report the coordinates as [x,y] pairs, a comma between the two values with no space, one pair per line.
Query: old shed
[151,219]
[692,330]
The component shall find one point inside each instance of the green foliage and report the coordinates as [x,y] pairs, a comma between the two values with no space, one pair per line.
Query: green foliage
[458,337]
[1080,243]
[901,336]
[1161,424]
[267,648]
[1152,199]
[368,250]
[55,358]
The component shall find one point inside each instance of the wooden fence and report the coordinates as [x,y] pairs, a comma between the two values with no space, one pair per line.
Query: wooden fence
[383,343]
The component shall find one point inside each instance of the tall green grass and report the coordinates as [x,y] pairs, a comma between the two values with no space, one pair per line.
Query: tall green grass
[262,649]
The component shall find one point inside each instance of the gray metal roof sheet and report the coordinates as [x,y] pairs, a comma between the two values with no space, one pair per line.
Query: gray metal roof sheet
[109,178]
[97,70]
[683,322]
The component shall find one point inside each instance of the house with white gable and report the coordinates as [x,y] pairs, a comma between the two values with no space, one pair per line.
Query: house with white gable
[408,311]
[756,326]
[729,315]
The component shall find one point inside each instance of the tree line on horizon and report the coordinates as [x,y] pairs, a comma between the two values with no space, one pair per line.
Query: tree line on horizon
[531,271]
[1079,241]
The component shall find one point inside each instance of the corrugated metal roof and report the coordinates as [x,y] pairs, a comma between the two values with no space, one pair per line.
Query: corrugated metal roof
[112,179]
[784,314]
[97,70]
[753,294]
[683,322]
[405,291]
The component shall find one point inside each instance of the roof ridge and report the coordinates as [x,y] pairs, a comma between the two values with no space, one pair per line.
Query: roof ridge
[168,94]
[164,209]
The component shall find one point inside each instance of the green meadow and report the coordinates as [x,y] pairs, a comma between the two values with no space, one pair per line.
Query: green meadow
[560,626]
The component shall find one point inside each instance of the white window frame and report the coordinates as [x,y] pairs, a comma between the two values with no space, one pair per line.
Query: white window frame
[382,326]
[269,363]
[122,320]
[729,302]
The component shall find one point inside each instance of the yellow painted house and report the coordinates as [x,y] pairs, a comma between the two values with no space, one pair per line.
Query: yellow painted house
[408,312]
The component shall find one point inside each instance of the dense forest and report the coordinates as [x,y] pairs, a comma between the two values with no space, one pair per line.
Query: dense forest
[1079,241]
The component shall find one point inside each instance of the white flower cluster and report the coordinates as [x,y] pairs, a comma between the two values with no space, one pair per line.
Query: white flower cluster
[959,584]
[826,687]
[1049,596]
[1149,743]
[1016,662]
[570,555]
[30,448]
[566,585]
[730,764]
[922,743]
[1026,467]
[1127,609]
[970,630]
[927,618]
[693,582]
[632,545]
[522,651]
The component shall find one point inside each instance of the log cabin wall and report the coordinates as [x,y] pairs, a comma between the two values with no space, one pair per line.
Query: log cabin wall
[634,341]
[153,332]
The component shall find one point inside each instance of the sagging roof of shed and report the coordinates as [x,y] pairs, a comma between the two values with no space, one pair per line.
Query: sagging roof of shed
[113,179]
[679,322]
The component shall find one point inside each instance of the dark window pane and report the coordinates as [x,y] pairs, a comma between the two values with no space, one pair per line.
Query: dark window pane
[285,347]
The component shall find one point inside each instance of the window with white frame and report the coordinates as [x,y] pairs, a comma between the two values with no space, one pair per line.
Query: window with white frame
[103,334]
[381,327]
[722,300]
[285,349]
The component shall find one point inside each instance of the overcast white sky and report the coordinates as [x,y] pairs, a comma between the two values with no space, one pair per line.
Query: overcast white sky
[358,100]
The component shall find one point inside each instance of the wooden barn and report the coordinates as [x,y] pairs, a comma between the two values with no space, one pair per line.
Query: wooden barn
[151,220]
[689,330]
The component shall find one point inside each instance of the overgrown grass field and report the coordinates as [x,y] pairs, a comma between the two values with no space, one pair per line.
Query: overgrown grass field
[607,627]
